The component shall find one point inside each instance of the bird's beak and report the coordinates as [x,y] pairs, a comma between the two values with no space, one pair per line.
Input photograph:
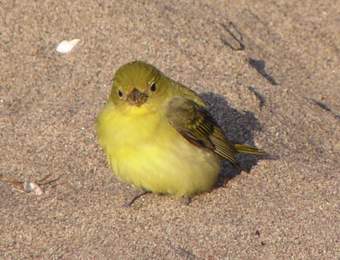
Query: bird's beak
[137,98]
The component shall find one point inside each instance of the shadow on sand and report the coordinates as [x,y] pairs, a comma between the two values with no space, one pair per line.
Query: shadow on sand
[239,127]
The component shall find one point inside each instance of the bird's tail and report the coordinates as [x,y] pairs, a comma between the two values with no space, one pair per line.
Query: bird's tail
[242,148]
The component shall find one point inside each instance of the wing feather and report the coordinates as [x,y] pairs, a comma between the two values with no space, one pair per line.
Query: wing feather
[196,125]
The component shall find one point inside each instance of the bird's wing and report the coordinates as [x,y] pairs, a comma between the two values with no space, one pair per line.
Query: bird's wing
[196,125]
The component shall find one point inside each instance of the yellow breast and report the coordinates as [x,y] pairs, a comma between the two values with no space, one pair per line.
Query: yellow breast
[144,150]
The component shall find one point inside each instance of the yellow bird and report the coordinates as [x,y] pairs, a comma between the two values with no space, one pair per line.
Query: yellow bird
[158,135]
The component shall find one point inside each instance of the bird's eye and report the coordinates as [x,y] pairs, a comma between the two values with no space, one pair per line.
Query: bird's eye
[120,93]
[153,87]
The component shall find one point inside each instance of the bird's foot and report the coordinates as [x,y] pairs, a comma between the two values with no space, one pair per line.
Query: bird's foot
[134,198]
[186,201]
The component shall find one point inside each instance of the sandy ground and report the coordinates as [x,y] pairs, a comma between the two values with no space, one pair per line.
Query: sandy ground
[269,69]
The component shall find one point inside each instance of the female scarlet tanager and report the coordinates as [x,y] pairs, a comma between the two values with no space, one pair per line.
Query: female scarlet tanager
[158,135]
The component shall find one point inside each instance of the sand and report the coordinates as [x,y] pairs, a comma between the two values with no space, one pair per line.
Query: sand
[270,71]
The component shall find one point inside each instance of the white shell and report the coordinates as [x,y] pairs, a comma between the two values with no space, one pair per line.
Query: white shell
[32,187]
[67,46]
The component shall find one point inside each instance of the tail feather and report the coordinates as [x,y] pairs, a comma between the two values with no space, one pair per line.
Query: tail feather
[242,148]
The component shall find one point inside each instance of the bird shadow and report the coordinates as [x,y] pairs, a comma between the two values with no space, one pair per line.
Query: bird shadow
[239,127]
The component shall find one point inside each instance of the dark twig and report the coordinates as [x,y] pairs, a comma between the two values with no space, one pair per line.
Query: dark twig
[238,38]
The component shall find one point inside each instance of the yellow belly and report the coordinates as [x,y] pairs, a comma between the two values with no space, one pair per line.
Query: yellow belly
[144,150]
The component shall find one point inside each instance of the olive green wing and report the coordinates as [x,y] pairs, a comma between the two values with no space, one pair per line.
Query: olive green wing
[196,125]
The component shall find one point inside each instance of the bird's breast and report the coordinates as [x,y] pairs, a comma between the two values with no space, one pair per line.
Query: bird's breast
[145,150]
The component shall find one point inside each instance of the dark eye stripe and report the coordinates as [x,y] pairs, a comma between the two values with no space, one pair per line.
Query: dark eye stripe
[120,93]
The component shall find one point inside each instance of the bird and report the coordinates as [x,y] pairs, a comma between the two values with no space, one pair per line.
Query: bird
[158,135]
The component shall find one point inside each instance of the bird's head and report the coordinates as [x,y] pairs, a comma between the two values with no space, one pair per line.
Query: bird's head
[138,84]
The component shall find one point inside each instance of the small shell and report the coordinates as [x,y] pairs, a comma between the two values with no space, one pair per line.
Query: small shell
[67,46]
[32,187]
